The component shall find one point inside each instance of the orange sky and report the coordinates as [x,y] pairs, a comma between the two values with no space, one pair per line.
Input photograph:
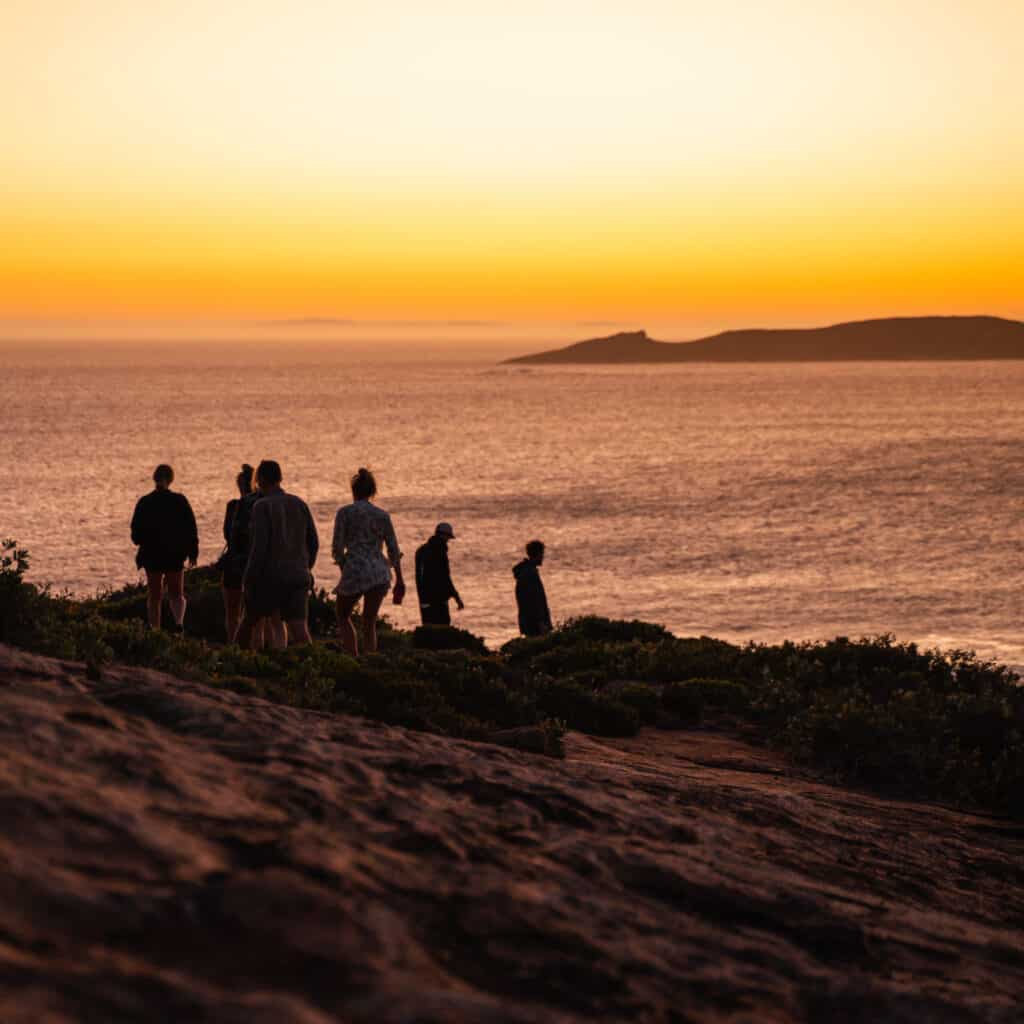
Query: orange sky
[653,163]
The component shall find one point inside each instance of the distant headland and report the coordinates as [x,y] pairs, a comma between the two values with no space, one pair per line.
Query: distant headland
[900,338]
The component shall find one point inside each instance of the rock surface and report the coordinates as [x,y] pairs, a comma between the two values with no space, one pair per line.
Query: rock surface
[172,852]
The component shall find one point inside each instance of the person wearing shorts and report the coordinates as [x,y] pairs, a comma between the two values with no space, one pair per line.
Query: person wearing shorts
[362,532]
[283,545]
[164,527]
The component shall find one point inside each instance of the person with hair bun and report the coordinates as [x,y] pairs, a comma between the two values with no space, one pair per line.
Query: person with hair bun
[164,527]
[232,562]
[362,532]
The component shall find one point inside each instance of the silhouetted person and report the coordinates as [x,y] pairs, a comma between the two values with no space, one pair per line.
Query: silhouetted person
[434,585]
[361,532]
[534,616]
[283,545]
[164,527]
[236,554]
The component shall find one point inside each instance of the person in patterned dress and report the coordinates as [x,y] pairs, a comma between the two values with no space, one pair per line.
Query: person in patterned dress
[362,534]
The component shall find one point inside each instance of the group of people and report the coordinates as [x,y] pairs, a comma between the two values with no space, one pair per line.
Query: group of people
[271,546]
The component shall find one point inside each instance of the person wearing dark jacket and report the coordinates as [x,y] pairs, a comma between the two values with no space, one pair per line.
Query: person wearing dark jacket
[534,615]
[434,578]
[283,545]
[164,528]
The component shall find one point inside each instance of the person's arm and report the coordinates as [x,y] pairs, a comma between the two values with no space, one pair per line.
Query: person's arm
[229,519]
[542,597]
[338,541]
[452,592]
[191,531]
[259,541]
[138,523]
[312,538]
[395,558]
[420,572]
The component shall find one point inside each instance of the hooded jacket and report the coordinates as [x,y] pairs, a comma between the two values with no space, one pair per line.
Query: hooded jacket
[534,615]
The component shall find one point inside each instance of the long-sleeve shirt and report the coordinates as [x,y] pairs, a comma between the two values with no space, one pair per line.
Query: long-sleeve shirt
[283,542]
[164,527]
[534,615]
[433,573]
[361,534]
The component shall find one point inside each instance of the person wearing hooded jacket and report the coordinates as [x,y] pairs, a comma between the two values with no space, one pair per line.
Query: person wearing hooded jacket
[532,601]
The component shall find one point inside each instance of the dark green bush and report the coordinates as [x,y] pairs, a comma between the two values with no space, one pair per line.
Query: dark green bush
[446,638]
[872,711]
[644,700]
[585,709]
[684,703]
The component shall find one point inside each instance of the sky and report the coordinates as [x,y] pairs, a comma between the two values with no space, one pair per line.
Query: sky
[694,166]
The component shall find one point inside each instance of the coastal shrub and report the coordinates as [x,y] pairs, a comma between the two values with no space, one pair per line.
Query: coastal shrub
[872,711]
[584,709]
[577,637]
[644,700]
[684,704]
[720,694]
[446,638]
[673,659]
[596,629]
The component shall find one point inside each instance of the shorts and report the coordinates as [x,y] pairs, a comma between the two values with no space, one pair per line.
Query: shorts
[436,614]
[232,577]
[352,599]
[159,561]
[290,600]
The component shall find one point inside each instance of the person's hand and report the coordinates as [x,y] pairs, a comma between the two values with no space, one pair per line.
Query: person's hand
[192,562]
[399,592]
[459,603]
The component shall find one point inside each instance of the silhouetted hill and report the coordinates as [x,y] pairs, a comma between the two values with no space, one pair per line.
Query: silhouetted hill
[932,337]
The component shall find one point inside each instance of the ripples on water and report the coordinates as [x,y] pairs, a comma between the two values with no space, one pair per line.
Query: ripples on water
[746,502]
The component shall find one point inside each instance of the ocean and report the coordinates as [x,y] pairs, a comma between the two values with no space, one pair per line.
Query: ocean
[747,502]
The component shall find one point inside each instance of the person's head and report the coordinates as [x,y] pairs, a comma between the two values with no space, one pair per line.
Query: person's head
[268,475]
[535,551]
[444,531]
[163,476]
[244,479]
[364,487]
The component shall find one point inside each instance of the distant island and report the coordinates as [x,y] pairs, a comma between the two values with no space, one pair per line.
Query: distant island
[899,338]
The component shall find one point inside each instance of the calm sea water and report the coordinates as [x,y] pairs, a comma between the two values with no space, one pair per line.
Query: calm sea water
[745,502]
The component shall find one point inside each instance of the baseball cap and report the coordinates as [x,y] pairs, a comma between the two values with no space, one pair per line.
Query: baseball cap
[445,530]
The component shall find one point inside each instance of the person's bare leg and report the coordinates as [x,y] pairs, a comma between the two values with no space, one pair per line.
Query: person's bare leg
[298,632]
[176,594]
[250,632]
[154,597]
[232,613]
[371,606]
[277,631]
[346,632]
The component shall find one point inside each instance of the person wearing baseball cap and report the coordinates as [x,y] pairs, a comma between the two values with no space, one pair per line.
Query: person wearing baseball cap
[434,578]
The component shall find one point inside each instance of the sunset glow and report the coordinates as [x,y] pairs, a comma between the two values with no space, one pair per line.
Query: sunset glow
[674,162]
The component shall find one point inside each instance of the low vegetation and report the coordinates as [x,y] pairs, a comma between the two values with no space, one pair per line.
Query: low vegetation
[873,711]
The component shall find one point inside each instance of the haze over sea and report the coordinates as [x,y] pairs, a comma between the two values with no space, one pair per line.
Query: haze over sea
[748,501]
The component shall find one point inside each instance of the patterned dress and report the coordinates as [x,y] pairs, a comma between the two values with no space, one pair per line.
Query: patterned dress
[361,533]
